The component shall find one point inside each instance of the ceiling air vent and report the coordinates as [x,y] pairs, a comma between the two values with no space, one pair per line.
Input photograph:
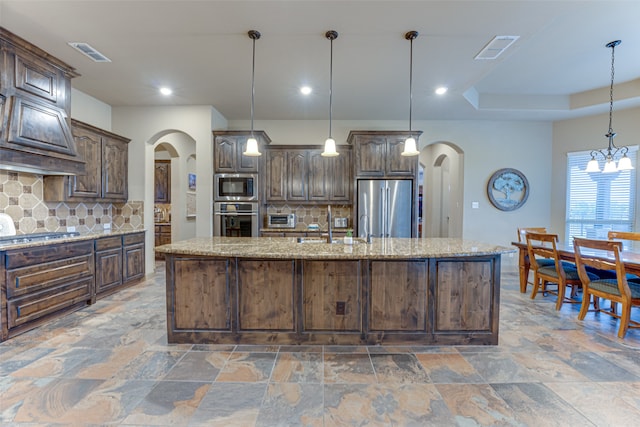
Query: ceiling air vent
[495,47]
[89,51]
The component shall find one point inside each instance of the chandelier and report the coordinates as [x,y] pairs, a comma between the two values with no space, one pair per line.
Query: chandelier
[609,155]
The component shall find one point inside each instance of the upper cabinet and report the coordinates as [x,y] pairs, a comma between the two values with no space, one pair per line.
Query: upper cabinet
[294,173]
[378,153]
[162,181]
[35,91]
[228,147]
[106,156]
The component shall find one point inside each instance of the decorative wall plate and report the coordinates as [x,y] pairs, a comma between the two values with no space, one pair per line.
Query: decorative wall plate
[508,189]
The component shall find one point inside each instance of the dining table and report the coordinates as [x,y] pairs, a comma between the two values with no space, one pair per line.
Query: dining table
[630,259]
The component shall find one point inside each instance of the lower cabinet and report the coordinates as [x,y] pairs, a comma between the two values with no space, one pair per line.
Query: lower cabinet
[44,281]
[119,262]
[41,283]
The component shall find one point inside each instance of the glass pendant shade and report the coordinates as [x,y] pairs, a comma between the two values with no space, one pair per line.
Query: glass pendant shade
[625,164]
[410,148]
[329,148]
[610,166]
[593,166]
[252,148]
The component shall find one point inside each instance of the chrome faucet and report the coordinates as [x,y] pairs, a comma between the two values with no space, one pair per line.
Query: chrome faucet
[329,225]
[366,228]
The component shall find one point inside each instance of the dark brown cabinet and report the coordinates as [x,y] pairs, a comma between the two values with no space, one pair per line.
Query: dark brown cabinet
[228,147]
[44,281]
[119,261]
[162,181]
[303,175]
[35,89]
[106,178]
[108,264]
[378,154]
[162,237]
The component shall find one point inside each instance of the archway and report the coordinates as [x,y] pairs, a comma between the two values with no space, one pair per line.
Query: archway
[443,191]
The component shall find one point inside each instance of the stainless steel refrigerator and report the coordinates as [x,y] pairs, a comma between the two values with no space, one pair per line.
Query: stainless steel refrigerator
[385,206]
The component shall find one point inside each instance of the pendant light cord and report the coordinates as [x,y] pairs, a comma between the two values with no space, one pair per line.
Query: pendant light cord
[253,35]
[331,35]
[410,84]
[613,48]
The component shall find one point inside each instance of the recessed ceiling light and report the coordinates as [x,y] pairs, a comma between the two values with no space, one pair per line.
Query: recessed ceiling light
[306,90]
[441,90]
[165,91]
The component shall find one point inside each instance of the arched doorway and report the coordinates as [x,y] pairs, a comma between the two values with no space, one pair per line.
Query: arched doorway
[442,199]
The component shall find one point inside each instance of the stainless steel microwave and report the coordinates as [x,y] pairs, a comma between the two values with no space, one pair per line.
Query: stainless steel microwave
[236,187]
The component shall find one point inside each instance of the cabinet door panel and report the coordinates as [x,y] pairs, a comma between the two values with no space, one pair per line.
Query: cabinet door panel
[89,148]
[133,262]
[397,164]
[370,156]
[276,175]
[245,163]
[319,175]
[224,154]
[108,269]
[115,169]
[162,181]
[297,176]
[340,177]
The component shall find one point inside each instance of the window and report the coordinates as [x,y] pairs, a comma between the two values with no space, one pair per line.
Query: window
[598,202]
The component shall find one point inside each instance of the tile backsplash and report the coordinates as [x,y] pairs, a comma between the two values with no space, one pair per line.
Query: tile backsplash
[21,197]
[311,214]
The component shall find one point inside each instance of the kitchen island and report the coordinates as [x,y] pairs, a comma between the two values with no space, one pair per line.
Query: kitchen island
[279,291]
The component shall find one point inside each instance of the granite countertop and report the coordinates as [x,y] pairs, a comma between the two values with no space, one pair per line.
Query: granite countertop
[288,248]
[302,230]
[81,237]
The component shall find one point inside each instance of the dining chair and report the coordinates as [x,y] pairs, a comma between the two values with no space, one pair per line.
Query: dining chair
[547,268]
[617,290]
[522,233]
[626,235]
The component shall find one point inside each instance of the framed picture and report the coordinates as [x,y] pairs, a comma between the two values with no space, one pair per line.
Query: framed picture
[192,181]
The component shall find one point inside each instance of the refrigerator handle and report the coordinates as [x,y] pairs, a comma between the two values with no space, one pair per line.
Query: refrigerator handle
[388,206]
[383,211]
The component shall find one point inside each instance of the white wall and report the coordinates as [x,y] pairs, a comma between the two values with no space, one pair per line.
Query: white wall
[584,134]
[90,110]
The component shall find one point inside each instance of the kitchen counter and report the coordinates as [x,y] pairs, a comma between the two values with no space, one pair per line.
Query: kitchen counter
[86,236]
[288,247]
[274,290]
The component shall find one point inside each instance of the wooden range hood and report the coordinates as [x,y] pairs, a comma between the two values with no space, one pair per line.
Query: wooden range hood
[35,104]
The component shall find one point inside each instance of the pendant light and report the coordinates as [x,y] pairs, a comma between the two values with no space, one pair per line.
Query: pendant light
[610,162]
[252,143]
[410,146]
[330,143]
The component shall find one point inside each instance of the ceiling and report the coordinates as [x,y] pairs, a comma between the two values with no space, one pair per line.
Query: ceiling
[559,67]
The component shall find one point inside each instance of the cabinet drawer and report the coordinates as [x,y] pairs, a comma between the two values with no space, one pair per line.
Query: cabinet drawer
[34,278]
[108,243]
[35,306]
[42,254]
[131,239]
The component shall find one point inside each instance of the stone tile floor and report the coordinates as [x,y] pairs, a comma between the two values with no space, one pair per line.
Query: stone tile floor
[110,364]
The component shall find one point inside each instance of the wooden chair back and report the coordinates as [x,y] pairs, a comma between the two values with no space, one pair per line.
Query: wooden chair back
[522,231]
[586,251]
[542,245]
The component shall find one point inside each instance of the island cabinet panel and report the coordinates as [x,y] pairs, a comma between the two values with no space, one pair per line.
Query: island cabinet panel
[205,303]
[266,295]
[398,296]
[331,296]
[464,296]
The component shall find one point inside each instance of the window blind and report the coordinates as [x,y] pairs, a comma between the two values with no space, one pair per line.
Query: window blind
[598,202]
